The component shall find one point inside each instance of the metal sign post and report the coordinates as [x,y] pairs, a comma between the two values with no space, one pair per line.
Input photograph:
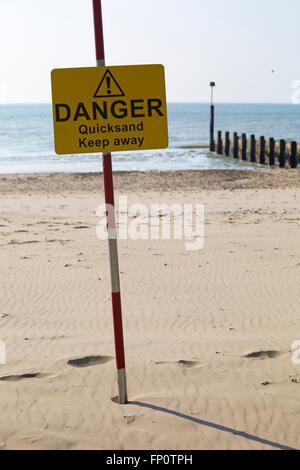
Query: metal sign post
[111,226]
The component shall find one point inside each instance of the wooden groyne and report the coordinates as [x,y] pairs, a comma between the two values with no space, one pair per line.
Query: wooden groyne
[258,150]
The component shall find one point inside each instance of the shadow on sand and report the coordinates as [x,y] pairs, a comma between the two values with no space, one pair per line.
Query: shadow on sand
[219,427]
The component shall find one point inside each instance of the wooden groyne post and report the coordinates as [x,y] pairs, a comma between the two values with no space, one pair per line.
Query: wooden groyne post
[244,147]
[220,144]
[227,144]
[252,149]
[271,151]
[294,162]
[282,153]
[235,145]
[262,151]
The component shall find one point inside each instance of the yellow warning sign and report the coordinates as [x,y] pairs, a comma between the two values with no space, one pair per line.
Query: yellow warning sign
[109,109]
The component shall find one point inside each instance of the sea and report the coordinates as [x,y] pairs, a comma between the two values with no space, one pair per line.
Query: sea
[26,138]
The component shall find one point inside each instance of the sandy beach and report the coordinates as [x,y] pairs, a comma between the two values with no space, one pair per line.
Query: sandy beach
[208,333]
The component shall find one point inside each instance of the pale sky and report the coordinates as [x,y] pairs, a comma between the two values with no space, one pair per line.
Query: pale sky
[236,43]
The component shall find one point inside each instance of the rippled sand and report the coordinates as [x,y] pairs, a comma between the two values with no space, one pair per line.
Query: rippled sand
[208,333]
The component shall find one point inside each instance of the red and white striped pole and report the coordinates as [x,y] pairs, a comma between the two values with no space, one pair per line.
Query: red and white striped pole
[111,226]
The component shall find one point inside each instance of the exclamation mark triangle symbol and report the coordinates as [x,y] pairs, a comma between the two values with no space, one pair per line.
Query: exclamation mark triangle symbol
[108,87]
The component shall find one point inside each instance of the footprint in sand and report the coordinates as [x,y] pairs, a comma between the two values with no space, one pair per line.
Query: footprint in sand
[265,355]
[182,363]
[129,419]
[18,377]
[89,361]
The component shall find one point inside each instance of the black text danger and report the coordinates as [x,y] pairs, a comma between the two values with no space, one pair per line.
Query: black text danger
[118,109]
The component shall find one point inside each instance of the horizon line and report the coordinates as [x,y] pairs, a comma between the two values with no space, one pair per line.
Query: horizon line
[169,102]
